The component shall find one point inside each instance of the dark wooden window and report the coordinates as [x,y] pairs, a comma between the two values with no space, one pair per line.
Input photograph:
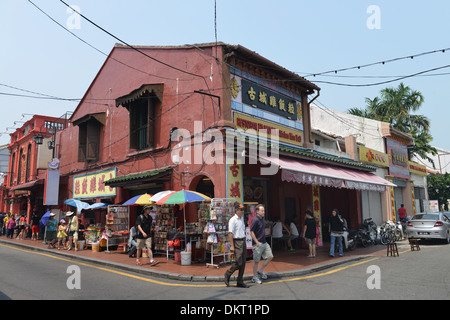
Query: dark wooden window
[142,123]
[89,140]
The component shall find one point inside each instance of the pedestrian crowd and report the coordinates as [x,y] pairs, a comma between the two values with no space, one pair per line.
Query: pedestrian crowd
[62,234]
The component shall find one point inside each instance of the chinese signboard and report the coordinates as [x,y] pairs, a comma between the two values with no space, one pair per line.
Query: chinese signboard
[286,135]
[91,185]
[398,160]
[373,156]
[263,98]
[316,207]
[234,180]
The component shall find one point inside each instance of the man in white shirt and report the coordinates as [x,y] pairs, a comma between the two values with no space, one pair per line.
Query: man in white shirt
[236,229]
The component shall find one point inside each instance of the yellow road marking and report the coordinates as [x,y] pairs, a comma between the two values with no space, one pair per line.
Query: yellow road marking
[193,285]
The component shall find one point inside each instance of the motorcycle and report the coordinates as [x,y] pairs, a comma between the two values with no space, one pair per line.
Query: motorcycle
[349,240]
[367,234]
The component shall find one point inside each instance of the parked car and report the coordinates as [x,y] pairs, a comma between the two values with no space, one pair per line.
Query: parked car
[429,226]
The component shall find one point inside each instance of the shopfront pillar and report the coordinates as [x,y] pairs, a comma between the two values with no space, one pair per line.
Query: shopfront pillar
[316,207]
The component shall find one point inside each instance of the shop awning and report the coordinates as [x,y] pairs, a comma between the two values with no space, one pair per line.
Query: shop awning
[324,175]
[140,178]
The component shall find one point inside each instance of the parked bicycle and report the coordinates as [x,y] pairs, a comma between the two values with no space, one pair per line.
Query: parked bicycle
[389,232]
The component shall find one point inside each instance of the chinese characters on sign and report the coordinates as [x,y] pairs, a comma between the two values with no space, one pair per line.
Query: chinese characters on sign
[398,160]
[263,98]
[316,206]
[234,180]
[92,185]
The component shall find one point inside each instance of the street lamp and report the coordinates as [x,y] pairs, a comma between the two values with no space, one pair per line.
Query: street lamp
[39,138]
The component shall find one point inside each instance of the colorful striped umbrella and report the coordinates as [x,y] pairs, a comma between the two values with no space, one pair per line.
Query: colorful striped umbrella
[180,197]
[183,196]
[158,196]
[140,200]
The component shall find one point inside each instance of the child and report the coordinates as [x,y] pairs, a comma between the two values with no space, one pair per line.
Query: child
[62,233]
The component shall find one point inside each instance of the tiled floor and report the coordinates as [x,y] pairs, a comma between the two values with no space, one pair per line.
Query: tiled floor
[283,260]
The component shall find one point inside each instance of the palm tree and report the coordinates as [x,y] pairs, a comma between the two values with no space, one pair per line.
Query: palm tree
[397,106]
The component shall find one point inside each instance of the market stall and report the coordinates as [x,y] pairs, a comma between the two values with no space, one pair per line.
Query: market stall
[213,219]
[117,227]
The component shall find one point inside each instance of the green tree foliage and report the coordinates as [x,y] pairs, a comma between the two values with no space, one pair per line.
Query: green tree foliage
[398,106]
[439,188]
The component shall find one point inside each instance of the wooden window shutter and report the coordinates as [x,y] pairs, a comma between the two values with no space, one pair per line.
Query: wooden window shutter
[93,140]
[82,137]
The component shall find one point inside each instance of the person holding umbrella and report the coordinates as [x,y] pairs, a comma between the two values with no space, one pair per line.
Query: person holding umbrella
[144,239]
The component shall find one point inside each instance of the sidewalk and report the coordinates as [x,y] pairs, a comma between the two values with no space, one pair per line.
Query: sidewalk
[284,264]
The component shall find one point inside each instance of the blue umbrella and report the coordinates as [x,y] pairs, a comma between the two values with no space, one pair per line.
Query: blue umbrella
[80,205]
[45,218]
[96,205]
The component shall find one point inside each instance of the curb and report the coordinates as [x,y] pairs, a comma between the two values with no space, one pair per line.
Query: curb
[187,277]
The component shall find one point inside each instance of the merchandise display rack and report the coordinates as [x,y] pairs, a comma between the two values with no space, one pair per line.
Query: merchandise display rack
[214,219]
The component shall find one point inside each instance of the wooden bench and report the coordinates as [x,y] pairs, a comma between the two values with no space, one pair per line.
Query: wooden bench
[392,249]
[414,243]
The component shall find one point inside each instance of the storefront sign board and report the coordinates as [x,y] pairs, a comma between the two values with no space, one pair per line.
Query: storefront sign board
[398,159]
[91,185]
[373,156]
[251,125]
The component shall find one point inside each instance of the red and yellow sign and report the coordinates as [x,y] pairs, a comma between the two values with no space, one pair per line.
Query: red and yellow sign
[91,185]
[316,207]
[417,168]
[255,126]
[235,189]
[373,156]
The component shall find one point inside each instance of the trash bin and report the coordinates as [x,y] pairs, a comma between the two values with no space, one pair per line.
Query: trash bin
[185,258]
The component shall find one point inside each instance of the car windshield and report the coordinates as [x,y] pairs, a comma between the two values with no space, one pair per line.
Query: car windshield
[426,216]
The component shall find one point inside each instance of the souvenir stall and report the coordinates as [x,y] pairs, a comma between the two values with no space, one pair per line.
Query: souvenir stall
[213,219]
[117,229]
[164,222]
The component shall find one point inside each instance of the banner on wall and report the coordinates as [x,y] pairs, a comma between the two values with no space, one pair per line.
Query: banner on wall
[51,189]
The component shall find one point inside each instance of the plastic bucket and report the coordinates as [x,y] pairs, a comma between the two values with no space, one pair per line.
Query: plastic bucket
[185,258]
[177,256]
[95,247]
[80,245]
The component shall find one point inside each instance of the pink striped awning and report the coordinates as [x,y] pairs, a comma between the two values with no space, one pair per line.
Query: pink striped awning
[324,175]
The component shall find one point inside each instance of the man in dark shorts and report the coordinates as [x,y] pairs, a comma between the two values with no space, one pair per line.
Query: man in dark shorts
[144,238]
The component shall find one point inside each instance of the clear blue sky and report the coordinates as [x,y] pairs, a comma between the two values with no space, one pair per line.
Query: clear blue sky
[302,36]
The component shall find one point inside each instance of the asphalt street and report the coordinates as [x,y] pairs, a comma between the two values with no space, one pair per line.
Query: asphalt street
[26,275]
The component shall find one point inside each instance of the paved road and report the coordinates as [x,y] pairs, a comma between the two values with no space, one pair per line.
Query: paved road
[413,275]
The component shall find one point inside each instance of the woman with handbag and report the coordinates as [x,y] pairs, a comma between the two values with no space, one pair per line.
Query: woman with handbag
[72,228]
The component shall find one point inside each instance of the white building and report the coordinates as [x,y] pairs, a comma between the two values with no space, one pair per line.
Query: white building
[382,146]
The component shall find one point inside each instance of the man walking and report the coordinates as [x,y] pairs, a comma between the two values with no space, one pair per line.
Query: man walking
[236,229]
[144,239]
[261,249]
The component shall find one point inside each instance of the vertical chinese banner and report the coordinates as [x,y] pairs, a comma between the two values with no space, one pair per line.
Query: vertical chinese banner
[392,202]
[316,208]
[234,180]
[413,198]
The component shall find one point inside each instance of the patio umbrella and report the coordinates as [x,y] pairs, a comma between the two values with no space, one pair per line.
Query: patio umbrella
[140,200]
[45,218]
[96,205]
[80,205]
[180,197]
[158,196]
